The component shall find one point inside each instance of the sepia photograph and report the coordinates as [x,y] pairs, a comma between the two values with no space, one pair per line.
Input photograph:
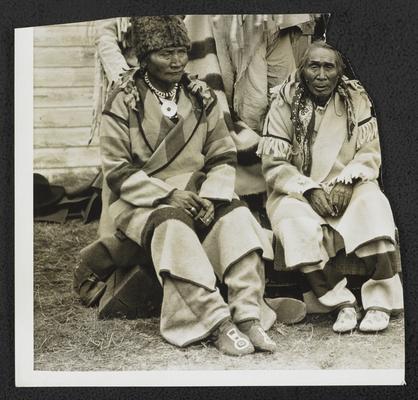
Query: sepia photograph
[208,206]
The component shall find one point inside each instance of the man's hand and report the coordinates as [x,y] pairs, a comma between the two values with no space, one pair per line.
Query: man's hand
[197,207]
[188,201]
[318,200]
[340,197]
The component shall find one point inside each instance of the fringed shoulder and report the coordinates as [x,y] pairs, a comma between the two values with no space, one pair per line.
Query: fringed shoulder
[353,84]
[367,129]
[357,91]
[200,89]
[123,96]
[367,132]
[362,104]
[124,91]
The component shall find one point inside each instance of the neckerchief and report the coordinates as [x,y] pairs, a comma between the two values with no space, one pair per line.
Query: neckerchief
[303,119]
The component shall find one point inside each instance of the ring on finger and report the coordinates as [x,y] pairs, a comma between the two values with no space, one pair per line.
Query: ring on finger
[193,210]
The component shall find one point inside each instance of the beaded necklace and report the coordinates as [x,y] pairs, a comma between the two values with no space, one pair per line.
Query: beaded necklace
[166,99]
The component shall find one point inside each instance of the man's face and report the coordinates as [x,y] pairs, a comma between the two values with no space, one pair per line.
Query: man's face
[321,72]
[167,65]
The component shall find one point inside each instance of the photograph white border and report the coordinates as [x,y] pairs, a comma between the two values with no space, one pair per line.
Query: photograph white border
[25,374]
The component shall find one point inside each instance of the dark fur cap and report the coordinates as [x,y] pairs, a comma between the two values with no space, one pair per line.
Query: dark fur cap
[155,33]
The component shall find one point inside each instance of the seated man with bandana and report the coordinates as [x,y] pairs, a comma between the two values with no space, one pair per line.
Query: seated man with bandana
[321,159]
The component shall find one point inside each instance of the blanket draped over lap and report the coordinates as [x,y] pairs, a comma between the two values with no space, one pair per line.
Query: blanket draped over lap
[146,156]
[336,157]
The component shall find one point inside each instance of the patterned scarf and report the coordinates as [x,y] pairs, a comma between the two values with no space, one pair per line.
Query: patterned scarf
[303,119]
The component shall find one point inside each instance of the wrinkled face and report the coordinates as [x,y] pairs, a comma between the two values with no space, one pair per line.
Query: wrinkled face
[167,65]
[321,72]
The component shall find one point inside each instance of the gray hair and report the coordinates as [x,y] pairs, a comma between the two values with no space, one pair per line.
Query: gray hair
[320,44]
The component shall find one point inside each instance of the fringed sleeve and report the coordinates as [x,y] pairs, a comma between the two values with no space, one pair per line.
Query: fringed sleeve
[356,172]
[107,47]
[277,147]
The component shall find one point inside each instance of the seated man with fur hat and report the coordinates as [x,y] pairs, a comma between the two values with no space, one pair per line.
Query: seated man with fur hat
[170,164]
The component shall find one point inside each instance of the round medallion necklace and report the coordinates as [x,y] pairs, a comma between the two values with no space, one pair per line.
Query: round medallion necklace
[167,99]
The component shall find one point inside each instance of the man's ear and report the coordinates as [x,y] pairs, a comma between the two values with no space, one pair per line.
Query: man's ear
[299,75]
[143,63]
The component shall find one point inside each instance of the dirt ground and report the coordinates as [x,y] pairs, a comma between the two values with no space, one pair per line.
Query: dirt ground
[69,337]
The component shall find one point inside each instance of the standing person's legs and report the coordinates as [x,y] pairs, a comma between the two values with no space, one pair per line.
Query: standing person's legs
[280,59]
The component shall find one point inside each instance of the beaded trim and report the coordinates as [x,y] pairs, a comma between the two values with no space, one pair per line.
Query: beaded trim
[165,95]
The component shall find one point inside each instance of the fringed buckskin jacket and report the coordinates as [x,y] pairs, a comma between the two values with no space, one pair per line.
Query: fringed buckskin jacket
[334,156]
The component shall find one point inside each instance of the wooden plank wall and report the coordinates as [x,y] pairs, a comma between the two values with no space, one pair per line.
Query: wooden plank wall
[63,89]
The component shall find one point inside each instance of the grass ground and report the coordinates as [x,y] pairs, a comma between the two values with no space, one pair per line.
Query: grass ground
[69,337]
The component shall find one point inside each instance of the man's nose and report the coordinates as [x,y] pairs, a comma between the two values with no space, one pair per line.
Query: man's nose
[175,59]
[321,74]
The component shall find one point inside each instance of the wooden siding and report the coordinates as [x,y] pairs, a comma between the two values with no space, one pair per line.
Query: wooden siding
[63,60]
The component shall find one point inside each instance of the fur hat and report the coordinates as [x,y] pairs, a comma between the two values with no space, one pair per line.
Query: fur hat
[155,33]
